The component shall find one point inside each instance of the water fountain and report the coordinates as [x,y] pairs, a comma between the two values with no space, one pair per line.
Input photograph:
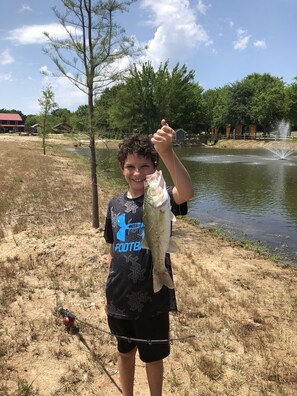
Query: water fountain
[282,151]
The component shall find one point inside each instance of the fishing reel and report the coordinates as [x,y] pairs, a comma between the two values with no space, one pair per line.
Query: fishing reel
[68,320]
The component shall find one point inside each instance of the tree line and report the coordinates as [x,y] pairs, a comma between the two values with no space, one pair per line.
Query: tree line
[145,96]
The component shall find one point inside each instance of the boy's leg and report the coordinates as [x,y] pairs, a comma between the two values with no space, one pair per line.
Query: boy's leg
[126,363]
[154,371]
[127,351]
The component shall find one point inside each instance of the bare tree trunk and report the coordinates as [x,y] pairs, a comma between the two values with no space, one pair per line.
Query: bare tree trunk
[43,134]
[95,199]
[43,143]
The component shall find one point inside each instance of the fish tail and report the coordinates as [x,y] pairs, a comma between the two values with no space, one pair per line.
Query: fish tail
[161,279]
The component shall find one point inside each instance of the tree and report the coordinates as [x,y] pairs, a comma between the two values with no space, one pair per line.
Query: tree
[62,115]
[184,99]
[80,118]
[240,102]
[102,114]
[291,103]
[220,112]
[90,57]
[147,96]
[267,105]
[47,105]
[216,107]
[31,120]
[257,99]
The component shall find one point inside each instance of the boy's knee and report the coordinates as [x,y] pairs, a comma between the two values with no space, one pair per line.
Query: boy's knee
[128,355]
[155,363]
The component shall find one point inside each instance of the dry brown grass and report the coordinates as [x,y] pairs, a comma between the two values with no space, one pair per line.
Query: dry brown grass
[241,308]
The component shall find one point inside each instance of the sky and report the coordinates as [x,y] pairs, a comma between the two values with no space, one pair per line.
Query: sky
[223,41]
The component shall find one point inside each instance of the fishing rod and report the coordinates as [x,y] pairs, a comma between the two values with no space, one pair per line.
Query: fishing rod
[69,318]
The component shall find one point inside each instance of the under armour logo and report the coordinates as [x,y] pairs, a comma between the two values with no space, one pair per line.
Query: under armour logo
[121,222]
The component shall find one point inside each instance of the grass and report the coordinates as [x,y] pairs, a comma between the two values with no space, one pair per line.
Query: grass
[25,389]
[232,237]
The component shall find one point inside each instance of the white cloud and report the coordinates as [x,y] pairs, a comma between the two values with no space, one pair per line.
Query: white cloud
[34,34]
[177,32]
[44,70]
[24,8]
[260,44]
[202,8]
[6,58]
[242,40]
[6,77]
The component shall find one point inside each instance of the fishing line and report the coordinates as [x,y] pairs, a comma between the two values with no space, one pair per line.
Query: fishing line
[65,313]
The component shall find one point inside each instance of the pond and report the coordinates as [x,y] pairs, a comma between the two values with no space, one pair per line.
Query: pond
[251,193]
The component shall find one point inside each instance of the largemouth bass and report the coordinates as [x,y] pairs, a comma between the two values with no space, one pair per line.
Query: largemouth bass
[157,219]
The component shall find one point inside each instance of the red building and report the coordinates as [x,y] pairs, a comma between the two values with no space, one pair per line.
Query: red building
[11,123]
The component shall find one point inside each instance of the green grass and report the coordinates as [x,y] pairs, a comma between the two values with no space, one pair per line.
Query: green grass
[237,240]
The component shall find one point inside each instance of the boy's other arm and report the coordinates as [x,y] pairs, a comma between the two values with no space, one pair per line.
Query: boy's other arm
[162,140]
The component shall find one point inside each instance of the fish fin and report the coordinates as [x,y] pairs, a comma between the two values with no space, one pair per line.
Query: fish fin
[172,248]
[144,244]
[172,217]
[162,279]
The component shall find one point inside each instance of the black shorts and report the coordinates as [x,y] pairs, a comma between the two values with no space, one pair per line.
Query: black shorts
[155,328]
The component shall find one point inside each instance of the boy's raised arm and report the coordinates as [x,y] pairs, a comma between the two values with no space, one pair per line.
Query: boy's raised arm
[162,140]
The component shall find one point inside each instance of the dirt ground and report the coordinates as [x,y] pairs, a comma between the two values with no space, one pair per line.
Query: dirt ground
[240,307]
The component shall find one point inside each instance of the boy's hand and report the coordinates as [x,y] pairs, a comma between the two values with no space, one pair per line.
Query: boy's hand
[163,138]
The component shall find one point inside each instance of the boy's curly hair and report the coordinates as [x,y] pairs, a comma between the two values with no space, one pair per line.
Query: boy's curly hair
[137,144]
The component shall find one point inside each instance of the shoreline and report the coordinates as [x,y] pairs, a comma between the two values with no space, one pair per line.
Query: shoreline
[254,144]
[223,143]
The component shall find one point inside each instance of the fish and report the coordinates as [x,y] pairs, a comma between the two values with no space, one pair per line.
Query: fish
[157,218]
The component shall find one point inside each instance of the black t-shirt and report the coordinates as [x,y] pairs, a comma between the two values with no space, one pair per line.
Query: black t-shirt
[129,287]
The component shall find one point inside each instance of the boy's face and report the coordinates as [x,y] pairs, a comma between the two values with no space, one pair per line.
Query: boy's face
[135,170]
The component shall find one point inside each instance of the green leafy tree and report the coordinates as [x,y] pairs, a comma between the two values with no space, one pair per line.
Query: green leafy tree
[258,99]
[220,111]
[240,102]
[79,119]
[90,57]
[47,105]
[196,119]
[147,96]
[184,99]
[291,103]
[102,113]
[62,115]
[31,120]
[268,99]
[209,100]
[134,107]
[216,107]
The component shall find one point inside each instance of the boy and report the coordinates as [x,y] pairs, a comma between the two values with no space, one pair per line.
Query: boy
[133,309]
